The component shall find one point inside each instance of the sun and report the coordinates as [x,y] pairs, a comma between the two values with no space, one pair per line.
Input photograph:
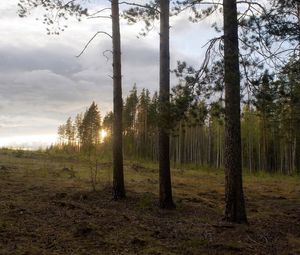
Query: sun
[103,135]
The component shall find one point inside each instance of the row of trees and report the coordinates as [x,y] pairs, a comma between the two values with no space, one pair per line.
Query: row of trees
[269,121]
[269,124]
[269,118]
[255,41]
[83,133]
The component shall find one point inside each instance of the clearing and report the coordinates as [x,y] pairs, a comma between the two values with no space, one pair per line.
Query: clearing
[47,206]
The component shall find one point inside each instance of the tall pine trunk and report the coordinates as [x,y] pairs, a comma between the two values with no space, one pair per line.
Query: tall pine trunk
[165,188]
[297,152]
[234,196]
[118,175]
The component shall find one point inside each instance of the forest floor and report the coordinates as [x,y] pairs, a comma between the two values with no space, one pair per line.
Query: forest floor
[47,206]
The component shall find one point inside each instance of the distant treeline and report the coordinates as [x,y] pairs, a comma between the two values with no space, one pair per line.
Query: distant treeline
[270,128]
[81,134]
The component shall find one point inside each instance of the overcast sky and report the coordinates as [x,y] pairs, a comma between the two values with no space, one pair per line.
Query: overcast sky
[42,82]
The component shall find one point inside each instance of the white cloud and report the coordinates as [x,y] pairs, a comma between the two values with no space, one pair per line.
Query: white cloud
[42,82]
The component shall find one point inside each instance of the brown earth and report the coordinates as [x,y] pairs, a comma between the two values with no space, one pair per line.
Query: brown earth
[47,207]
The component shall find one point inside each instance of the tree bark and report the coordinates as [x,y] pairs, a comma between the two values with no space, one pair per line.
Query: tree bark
[297,152]
[234,196]
[118,175]
[165,187]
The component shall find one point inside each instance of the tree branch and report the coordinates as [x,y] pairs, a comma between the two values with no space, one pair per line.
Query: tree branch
[99,17]
[104,54]
[141,6]
[88,43]
[97,12]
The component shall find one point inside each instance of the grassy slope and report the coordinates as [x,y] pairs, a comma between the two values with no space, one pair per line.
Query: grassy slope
[45,211]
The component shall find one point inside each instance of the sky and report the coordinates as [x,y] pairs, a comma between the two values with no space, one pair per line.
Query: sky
[42,82]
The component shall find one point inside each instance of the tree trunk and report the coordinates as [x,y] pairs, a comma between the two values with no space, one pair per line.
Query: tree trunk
[297,152]
[165,188]
[118,175]
[234,196]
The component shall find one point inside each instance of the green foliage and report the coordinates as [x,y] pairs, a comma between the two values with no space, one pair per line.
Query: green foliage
[270,121]
[147,13]
[56,12]
[280,20]
[83,133]
[146,201]
[130,109]
[90,127]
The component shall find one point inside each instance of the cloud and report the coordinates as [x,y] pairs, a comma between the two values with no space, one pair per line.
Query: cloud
[42,82]
[58,58]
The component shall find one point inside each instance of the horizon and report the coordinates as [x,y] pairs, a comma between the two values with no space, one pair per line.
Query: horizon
[43,83]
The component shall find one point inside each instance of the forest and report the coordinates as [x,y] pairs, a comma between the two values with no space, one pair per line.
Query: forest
[268,128]
[209,164]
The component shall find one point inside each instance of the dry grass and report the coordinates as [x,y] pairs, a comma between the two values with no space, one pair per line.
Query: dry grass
[47,207]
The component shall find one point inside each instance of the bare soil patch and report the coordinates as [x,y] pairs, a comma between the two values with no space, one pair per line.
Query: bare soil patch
[42,213]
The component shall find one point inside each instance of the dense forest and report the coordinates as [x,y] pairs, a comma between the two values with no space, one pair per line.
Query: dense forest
[269,120]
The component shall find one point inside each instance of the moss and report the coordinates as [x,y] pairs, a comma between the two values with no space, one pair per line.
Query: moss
[196,243]
[145,201]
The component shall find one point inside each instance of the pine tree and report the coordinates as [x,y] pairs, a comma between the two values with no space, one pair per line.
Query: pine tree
[234,195]
[70,132]
[142,123]
[78,129]
[130,110]
[71,9]
[165,186]
[153,127]
[61,131]
[118,171]
[265,103]
[290,110]
[91,125]
[148,13]
[129,121]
